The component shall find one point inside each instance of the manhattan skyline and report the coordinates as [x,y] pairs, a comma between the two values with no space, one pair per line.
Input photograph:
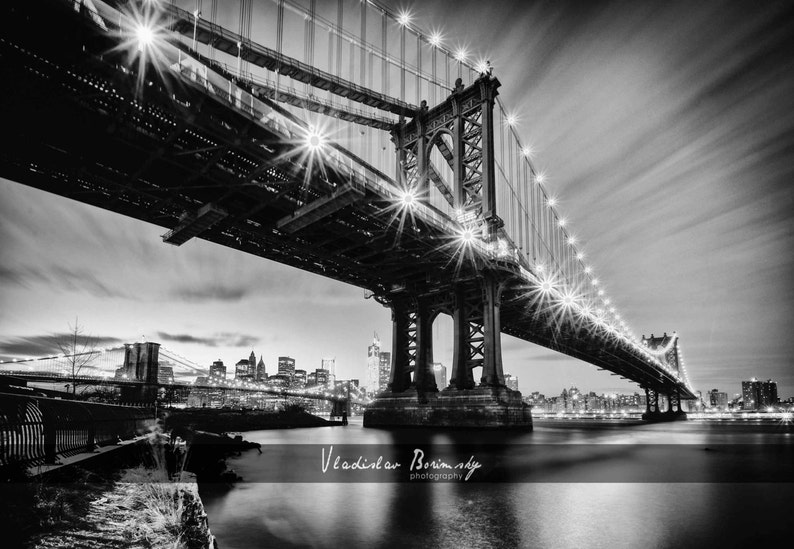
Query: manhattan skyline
[664,129]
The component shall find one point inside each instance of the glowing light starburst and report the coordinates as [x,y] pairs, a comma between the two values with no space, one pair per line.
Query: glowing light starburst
[315,140]
[141,34]
[404,18]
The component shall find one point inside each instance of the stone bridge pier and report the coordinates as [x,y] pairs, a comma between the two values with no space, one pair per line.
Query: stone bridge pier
[414,399]
[653,411]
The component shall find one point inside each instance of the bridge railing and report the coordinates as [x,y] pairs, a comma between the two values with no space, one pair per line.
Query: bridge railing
[37,430]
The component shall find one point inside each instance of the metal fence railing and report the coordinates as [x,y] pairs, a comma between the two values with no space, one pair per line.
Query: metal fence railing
[37,430]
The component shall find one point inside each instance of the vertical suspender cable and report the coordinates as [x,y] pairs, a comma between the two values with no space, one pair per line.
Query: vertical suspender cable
[279,43]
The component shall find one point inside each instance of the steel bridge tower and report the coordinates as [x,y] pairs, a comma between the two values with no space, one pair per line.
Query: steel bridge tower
[461,129]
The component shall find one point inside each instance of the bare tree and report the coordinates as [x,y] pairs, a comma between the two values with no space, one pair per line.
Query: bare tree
[79,350]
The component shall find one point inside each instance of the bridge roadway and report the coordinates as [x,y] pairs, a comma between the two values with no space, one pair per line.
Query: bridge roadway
[81,123]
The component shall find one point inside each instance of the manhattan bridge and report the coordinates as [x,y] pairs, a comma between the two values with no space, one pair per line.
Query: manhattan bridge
[340,138]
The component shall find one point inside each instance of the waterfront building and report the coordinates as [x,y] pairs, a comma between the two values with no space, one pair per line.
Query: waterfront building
[757,395]
[593,402]
[373,366]
[511,382]
[440,373]
[218,370]
[311,379]
[718,399]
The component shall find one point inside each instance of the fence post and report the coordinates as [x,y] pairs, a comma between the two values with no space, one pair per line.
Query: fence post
[49,433]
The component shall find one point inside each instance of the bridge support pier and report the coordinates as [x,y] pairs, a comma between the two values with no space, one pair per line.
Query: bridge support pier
[654,413]
[474,306]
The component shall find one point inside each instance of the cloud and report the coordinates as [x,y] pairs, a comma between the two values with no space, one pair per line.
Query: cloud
[59,277]
[274,282]
[212,292]
[221,339]
[47,344]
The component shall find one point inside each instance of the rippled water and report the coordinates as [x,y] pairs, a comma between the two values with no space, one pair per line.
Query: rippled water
[515,514]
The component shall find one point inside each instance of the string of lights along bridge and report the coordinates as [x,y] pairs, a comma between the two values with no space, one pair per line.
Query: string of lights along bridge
[103,367]
[348,140]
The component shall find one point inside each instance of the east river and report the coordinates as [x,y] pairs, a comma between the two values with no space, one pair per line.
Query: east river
[600,484]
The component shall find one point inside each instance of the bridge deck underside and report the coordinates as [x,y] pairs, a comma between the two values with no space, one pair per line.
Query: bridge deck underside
[79,125]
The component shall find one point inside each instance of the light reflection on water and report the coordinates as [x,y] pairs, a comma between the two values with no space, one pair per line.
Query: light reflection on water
[461,515]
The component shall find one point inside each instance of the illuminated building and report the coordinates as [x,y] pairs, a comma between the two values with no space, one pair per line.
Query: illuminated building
[286,366]
[440,372]
[718,399]
[329,364]
[242,370]
[758,394]
[373,365]
[384,371]
[218,369]
[511,382]
[299,380]
[321,377]
[165,374]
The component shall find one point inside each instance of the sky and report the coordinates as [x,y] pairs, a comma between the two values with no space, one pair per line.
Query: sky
[666,130]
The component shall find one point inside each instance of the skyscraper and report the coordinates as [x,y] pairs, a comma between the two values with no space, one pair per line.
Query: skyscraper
[511,382]
[261,373]
[329,364]
[384,370]
[373,365]
[440,372]
[286,366]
